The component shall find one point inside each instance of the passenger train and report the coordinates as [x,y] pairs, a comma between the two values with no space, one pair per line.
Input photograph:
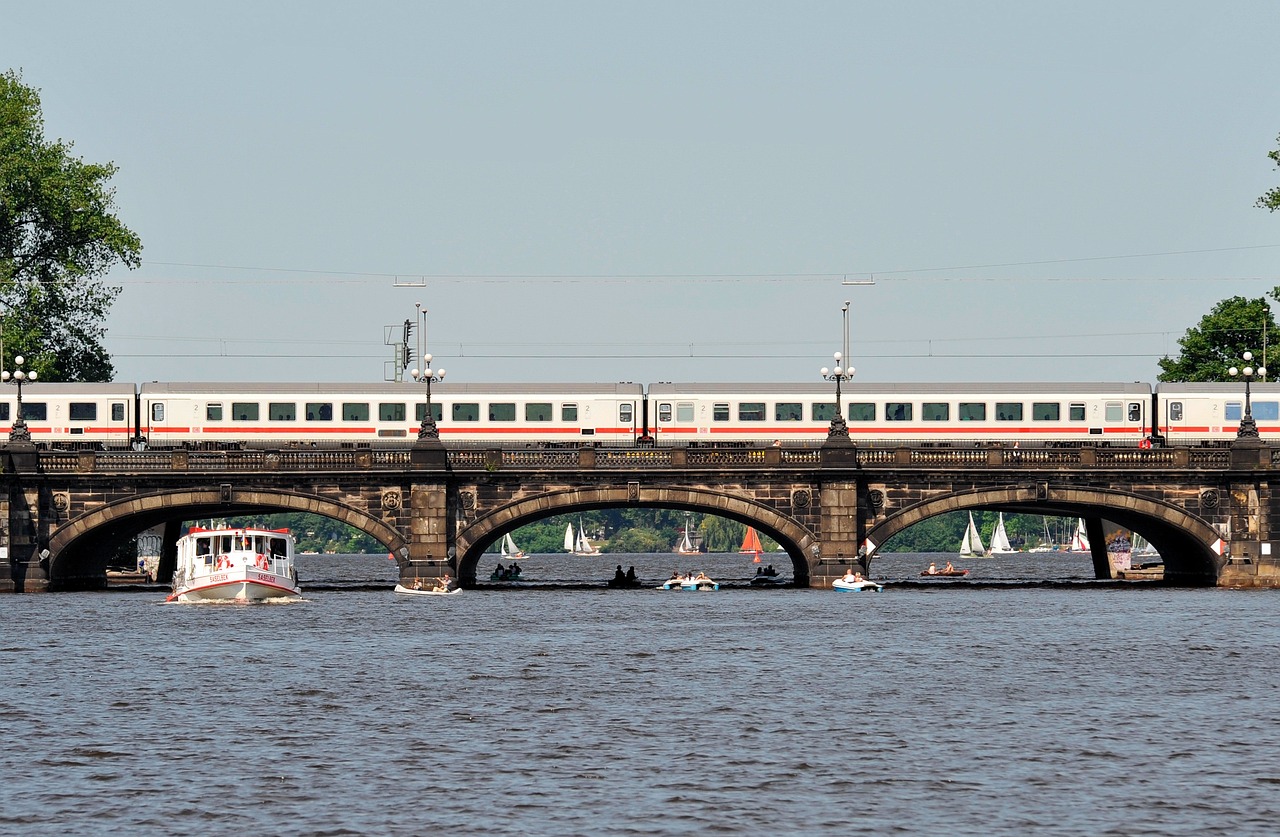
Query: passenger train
[260,415]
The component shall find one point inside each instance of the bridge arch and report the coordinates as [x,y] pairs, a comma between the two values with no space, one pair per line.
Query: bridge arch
[75,547]
[477,536]
[1183,540]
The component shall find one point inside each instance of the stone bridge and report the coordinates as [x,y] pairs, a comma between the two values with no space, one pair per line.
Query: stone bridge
[437,509]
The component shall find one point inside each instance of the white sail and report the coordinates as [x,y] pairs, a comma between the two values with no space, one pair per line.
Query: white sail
[569,542]
[509,548]
[1079,541]
[582,546]
[972,543]
[1000,539]
[686,543]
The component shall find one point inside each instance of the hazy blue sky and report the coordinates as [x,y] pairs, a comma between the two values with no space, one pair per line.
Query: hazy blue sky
[669,190]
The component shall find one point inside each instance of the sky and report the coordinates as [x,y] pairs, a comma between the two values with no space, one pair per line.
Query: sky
[668,191]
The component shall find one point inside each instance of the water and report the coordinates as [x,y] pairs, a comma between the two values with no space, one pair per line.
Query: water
[930,708]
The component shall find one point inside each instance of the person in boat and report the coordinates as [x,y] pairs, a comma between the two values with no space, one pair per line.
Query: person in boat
[759,571]
[631,575]
[417,584]
[770,571]
[619,577]
[514,571]
[933,569]
[499,571]
[443,585]
[949,568]
[675,576]
[701,576]
[850,575]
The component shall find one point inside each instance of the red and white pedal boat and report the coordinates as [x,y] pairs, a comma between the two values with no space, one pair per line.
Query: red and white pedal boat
[235,565]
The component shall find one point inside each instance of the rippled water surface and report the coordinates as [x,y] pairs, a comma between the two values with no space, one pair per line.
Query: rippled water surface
[930,708]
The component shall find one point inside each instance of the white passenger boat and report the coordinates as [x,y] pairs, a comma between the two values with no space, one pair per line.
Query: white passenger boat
[235,565]
[691,583]
[860,586]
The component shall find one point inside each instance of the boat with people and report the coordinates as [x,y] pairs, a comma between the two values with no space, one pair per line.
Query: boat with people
[235,564]
[767,577]
[509,549]
[501,573]
[852,582]
[623,580]
[691,582]
[948,571]
[443,586]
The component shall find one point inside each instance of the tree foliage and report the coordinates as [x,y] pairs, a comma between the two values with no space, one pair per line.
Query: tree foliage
[1271,200]
[58,237]
[1234,326]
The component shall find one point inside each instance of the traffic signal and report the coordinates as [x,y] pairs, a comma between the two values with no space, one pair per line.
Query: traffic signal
[407,358]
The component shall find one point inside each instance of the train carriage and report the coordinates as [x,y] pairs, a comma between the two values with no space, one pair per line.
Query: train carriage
[1204,413]
[73,416]
[912,414]
[212,415]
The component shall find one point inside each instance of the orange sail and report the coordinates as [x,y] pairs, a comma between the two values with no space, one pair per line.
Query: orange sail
[751,544]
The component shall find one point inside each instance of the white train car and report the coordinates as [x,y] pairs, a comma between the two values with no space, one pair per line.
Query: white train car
[1209,413]
[913,414]
[213,415]
[72,416]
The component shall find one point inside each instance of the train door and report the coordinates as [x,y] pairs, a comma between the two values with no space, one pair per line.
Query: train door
[628,418]
[1175,419]
[153,421]
[676,418]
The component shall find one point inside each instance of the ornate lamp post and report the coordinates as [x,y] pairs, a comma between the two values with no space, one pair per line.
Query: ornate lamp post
[428,429]
[1248,427]
[19,431]
[838,430]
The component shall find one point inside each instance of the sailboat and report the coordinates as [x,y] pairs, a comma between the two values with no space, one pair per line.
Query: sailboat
[1046,540]
[1079,541]
[582,546]
[686,547]
[1000,539]
[972,543]
[1143,549]
[509,549]
[751,545]
[569,540]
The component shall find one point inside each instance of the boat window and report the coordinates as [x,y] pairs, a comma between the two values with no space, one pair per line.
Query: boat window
[935,411]
[972,412]
[719,412]
[1045,411]
[664,412]
[1175,411]
[502,412]
[244,410]
[391,412]
[1008,411]
[157,411]
[355,411]
[824,412]
[203,546]
[1075,412]
[626,413]
[82,411]
[319,412]
[466,412]
[420,411]
[1114,411]
[225,545]
[684,411]
[4,411]
[897,411]
[751,411]
[213,412]
[568,412]
[788,411]
[282,411]
[537,412]
[1135,411]
[117,411]
[1266,410]
[862,411]
[1231,411]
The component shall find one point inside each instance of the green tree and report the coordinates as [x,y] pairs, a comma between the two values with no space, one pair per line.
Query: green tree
[58,237]
[1234,326]
[1271,200]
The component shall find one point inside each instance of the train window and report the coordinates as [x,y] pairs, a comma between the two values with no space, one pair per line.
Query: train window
[502,412]
[282,411]
[1266,410]
[971,412]
[1045,411]
[466,412]
[862,411]
[355,411]
[568,412]
[82,411]
[1233,410]
[537,412]
[244,411]
[684,411]
[1135,411]
[788,411]
[391,412]
[935,411]
[751,411]
[117,411]
[626,413]
[4,411]
[420,411]
[1075,412]
[157,411]
[319,411]
[823,412]
[897,411]
[35,410]
[1175,411]
[1114,411]
[1008,411]
[664,412]
[213,412]
[719,412]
